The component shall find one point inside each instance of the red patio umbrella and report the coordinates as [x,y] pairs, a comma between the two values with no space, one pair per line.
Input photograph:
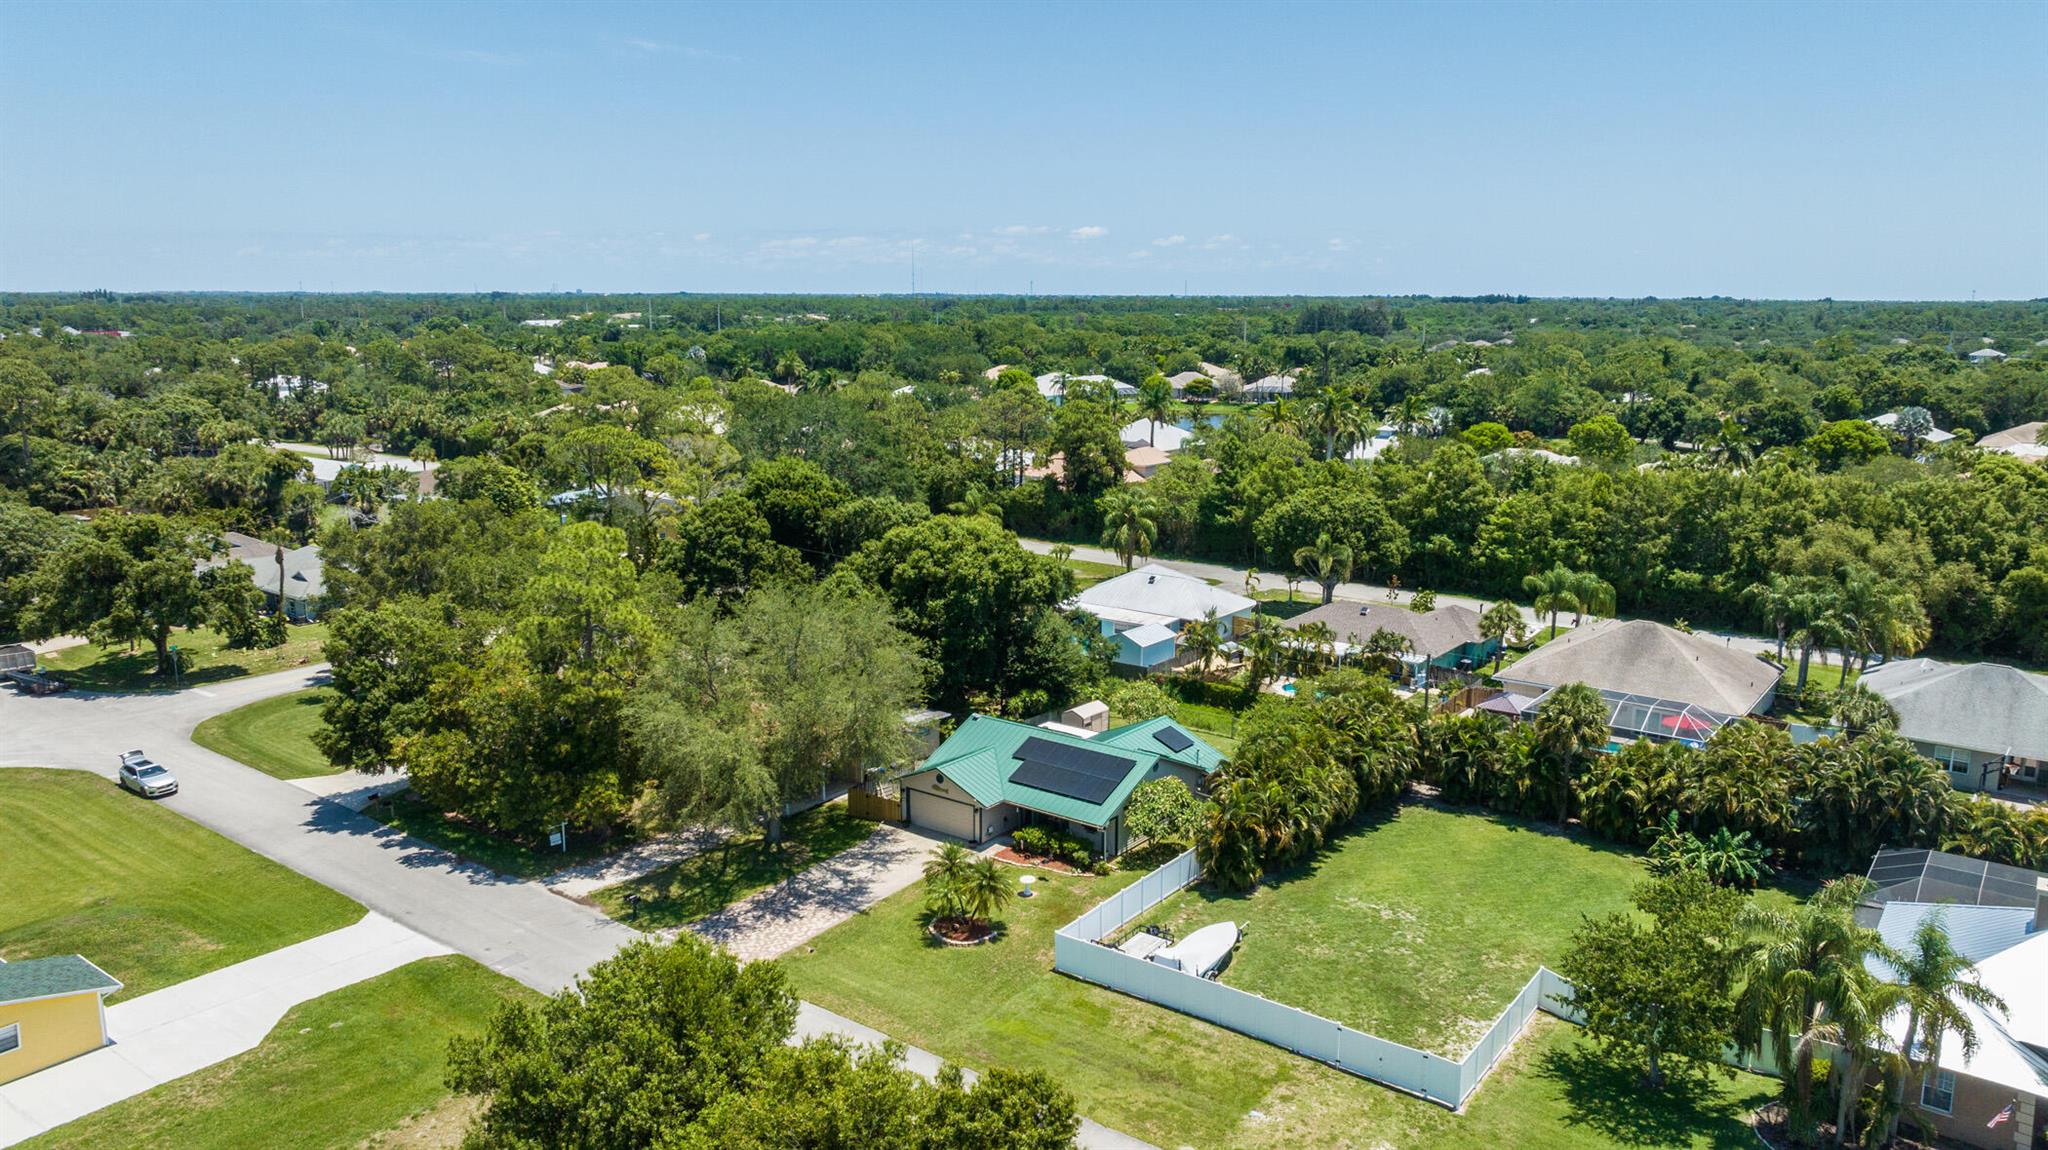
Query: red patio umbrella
[1687,724]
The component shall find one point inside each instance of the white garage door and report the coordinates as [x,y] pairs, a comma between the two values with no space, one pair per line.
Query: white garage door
[941,814]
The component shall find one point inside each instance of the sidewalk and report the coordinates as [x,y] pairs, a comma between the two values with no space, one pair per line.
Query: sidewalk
[172,1032]
[584,879]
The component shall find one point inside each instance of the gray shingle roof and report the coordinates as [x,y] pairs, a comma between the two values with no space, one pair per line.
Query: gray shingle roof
[304,576]
[1645,658]
[46,977]
[1979,706]
[1444,629]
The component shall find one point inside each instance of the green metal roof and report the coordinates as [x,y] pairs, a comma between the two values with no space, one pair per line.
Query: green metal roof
[981,755]
[1138,736]
[48,977]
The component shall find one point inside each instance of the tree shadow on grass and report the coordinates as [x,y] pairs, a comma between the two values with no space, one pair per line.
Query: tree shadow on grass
[1612,1101]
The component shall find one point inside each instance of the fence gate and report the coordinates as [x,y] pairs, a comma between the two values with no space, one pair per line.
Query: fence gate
[882,802]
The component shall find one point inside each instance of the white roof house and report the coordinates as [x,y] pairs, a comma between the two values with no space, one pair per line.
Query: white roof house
[1890,422]
[1158,594]
[1987,355]
[1053,385]
[1147,610]
[1988,707]
[540,323]
[1270,387]
[1167,437]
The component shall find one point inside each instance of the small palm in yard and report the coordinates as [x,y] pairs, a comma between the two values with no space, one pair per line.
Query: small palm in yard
[964,892]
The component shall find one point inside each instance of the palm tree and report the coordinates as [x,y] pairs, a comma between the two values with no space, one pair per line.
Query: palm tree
[945,880]
[1317,643]
[1778,602]
[979,500]
[1503,624]
[984,890]
[1283,415]
[1562,589]
[1156,404]
[1797,965]
[1333,414]
[1731,443]
[1325,561]
[1129,525]
[1570,729]
[1937,982]
[1858,709]
[1855,1028]
[1202,639]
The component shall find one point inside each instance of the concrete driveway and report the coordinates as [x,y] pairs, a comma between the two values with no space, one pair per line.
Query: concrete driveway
[790,913]
[172,1032]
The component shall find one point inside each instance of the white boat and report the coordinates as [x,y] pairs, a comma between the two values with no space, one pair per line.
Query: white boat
[1201,952]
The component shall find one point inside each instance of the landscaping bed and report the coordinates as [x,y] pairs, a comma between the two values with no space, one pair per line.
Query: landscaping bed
[273,735]
[360,1066]
[151,897]
[92,667]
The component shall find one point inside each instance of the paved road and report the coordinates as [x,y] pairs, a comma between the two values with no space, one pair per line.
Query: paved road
[517,928]
[1232,578]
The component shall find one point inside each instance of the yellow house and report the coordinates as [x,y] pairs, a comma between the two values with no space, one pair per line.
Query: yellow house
[51,1009]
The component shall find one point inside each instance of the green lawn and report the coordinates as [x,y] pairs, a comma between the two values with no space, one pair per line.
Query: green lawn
[1087,574]
[695,887]
[1418,928]
[151,897]
[1176,1081]
[361,1066]
[273,735]
[1215,724]
[407,812]
[95,668]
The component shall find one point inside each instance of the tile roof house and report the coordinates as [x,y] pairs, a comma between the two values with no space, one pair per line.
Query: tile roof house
[1641,658]
[51,1009]
[2023,441]
[304,581]
[1053,385]
[993,776]
[1986,722]
[1147,609]
[1446,637]
[2006,937]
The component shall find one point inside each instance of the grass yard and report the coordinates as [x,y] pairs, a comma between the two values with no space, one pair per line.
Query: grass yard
[273,735]
[1419,927]
[92,667]
[362,1066]
[697,886]
[406,811]
[1176,1081]
[1087,574]
[1216,725]
[151,897]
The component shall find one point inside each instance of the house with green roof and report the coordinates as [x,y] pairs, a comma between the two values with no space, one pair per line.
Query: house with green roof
[994,776]
[51,1009]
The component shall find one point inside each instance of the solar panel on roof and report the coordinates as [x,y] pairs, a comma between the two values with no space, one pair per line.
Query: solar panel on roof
[1076,772]
[1172,739]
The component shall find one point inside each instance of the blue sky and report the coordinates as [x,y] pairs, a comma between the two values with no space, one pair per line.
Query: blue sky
[1853,151]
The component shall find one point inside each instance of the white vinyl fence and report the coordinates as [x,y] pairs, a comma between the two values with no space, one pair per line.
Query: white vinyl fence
[1079,952]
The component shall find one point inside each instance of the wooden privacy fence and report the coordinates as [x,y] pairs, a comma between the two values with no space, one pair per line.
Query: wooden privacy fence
[883,804]
[1079,952]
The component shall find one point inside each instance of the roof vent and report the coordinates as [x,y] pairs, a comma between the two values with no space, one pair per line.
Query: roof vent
[1151,578]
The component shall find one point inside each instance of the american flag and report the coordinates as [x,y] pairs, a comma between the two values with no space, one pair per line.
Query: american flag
[2004,1115]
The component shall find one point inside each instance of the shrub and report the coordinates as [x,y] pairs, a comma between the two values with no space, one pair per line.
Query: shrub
[1048,843]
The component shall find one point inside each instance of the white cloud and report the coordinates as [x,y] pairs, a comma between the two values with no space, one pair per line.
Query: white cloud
[1023,230]
[1169,241]
[700,237]
[1338,245]
[1089,232]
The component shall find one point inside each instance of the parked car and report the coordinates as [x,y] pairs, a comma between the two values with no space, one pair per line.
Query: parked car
[146,777]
